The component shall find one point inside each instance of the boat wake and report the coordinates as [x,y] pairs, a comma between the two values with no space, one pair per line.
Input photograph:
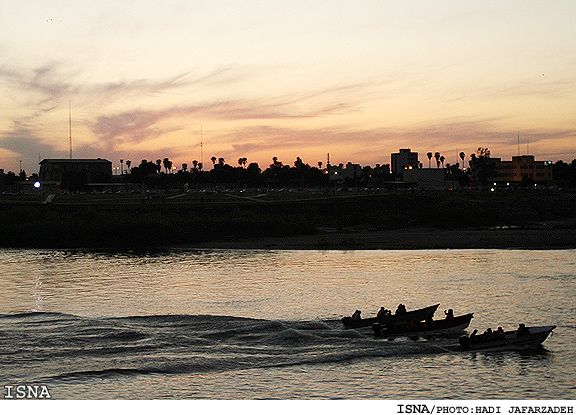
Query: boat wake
[53,346]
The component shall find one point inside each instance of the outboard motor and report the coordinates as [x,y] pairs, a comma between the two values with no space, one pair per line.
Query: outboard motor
[377,329]
[346,321]
[464,342]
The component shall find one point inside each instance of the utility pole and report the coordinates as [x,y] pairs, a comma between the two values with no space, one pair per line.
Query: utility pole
[70,122]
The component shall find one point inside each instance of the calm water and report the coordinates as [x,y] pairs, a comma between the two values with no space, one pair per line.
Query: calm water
[232,324]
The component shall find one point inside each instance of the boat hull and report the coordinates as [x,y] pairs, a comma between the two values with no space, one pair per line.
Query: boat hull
[510,339]
[445,327]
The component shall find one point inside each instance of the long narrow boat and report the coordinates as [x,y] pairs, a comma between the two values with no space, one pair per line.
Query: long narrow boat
[534,338]
[447,326]
[416,315]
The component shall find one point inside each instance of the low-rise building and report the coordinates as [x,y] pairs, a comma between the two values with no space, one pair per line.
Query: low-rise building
[339,174]
[522,169]
[91,170]
[428,178]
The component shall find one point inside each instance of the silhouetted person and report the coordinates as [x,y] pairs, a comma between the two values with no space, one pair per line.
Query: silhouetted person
[449,314]
[522,330]
[356,316]
[401,309]
[383,313]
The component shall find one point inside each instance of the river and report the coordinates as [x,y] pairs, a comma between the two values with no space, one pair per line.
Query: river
[253,324]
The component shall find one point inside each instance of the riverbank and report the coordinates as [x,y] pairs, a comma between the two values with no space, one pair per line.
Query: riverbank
[412,238]
[403,220]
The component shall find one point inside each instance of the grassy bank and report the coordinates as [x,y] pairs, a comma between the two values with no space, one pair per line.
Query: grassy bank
[136,221]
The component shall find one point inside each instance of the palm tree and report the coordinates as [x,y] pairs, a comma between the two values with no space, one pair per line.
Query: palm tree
[320,165]
[437,157]
[429,158]
[167,164]
[194,164]
[462,156]
[213,160]
[128,164]
[242,161]
[158,165]
[184,167]
[442,158]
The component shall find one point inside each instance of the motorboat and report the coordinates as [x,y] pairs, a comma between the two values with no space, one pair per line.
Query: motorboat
[397,318]
[528,338]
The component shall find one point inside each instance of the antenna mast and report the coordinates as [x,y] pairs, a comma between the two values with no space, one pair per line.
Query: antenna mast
[70,122]
[201,148]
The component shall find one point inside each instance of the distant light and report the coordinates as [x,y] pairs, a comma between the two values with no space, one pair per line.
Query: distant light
[492,189]
[37,185]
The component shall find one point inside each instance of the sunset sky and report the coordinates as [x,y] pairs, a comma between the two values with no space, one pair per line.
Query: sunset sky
[356,79]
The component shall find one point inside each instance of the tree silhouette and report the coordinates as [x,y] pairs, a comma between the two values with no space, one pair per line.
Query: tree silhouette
[437,157]
[167,164]
[442,158]
[462,156]
[429,155]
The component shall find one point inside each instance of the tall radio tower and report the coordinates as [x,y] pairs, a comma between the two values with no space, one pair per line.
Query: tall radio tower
[70,122]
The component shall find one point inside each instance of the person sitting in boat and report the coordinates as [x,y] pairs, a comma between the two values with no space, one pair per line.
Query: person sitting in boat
[449,314]
[499,332]
[488,333]
[356,316]
[401,309]
[383,313]
[473,335]
[522,330]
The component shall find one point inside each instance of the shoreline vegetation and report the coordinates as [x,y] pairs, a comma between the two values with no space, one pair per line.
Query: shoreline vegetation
[293,220]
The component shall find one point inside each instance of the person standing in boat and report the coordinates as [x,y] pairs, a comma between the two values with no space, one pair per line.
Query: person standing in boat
[356,316]
[449,314]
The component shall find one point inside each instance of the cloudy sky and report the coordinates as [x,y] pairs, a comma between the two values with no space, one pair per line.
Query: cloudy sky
[261,79]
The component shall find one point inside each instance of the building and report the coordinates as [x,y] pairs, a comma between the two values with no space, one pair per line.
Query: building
[340,174]
[404,159]
[428,178]
[89,170]
[522,169]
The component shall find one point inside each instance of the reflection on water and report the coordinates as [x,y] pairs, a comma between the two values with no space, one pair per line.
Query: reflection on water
[285,284]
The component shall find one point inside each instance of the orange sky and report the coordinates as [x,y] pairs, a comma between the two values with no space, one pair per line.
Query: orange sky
[358,80]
